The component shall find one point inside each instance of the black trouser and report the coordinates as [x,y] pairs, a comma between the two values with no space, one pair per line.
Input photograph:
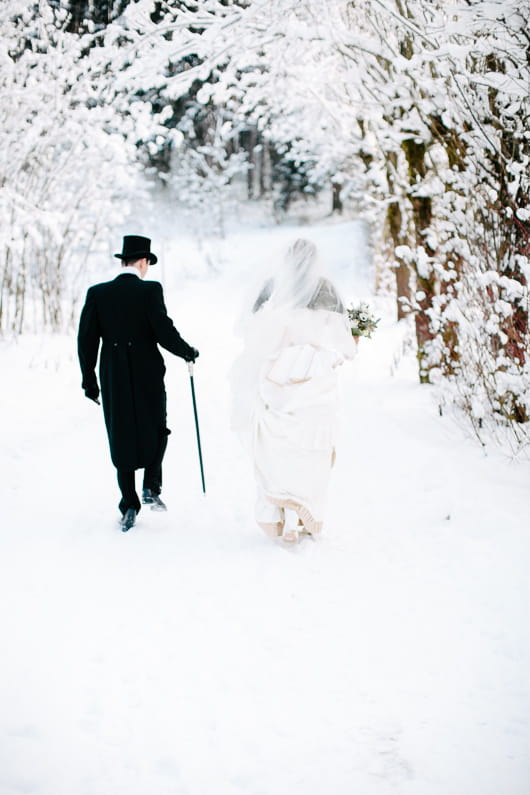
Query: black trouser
[152,479]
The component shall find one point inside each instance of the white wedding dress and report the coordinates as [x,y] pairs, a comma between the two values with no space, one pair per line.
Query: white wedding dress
[285,396]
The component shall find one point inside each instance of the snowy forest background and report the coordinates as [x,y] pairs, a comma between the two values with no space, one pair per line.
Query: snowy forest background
[412,116]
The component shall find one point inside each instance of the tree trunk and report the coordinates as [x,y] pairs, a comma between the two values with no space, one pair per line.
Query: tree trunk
[394,221]
[336,201]
[421,207]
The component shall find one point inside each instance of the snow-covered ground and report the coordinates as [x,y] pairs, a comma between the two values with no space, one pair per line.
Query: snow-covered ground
[193,656]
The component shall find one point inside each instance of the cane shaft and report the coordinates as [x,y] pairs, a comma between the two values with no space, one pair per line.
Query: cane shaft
[197,426]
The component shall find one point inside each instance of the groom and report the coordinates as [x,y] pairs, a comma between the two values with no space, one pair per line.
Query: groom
[129,316]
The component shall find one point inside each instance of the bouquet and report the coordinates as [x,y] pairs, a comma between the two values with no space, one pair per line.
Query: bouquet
[362,321]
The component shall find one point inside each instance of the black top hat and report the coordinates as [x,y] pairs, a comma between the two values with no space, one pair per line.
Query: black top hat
[136,247]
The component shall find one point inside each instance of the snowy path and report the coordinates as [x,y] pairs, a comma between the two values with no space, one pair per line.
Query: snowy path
[194,657]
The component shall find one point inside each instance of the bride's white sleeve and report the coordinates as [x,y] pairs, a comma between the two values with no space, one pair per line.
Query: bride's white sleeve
[339,337]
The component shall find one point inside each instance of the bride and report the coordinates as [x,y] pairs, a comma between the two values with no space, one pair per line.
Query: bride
[285,391]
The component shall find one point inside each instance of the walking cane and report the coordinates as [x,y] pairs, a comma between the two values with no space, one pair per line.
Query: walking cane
[190,370]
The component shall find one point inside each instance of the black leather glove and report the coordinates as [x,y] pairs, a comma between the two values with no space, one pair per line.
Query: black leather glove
[193,356]
[92,393]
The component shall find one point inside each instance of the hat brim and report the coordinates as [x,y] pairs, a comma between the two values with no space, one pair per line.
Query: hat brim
[153,259]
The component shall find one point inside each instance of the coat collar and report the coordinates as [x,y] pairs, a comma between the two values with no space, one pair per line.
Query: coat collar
[130,269]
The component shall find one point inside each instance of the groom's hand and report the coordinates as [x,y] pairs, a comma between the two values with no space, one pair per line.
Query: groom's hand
[192,356]
[92,393]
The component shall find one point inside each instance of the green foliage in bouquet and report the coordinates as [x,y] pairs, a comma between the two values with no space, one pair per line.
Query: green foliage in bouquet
[362,321]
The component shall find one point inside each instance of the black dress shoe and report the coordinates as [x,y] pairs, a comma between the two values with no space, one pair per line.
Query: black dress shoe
[128,519]
[149,497]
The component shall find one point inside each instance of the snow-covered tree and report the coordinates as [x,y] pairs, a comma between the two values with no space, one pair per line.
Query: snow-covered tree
[63,159]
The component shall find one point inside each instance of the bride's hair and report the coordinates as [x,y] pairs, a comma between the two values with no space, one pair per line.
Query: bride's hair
[302,253]
[299,282]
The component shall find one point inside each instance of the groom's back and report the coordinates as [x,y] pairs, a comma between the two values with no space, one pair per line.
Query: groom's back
[122,309]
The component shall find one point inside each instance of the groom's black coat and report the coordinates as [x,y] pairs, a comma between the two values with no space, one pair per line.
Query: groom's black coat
[129,316]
